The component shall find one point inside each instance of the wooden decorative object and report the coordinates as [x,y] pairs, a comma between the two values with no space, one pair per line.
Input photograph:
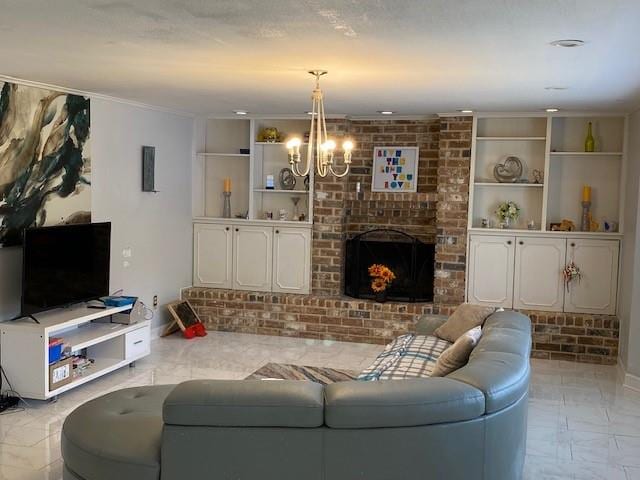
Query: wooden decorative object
[183,315]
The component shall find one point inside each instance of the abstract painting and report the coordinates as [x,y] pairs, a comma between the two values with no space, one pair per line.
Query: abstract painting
[395,169]
[45,162]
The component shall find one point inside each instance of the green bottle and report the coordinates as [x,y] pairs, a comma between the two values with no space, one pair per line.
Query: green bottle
[589,142]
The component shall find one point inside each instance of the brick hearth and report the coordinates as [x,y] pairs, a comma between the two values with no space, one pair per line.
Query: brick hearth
[436,213]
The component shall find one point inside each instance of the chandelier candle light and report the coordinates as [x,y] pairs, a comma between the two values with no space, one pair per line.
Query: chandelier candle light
[321,148]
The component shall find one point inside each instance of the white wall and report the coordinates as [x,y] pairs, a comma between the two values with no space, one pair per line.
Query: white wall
[630,288]
[155,226]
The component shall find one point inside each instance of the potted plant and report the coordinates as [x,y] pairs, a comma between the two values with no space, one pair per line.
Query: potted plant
[507,212]
[381,278]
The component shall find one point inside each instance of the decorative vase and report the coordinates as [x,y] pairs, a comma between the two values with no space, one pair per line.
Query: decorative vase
[381,297]
[589,142]
[505,223]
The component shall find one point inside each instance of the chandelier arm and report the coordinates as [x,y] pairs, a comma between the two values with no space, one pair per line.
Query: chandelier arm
[339,175]
[320,164]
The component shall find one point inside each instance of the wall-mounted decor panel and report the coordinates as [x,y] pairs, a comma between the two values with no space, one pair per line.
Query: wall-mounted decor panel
[45,161]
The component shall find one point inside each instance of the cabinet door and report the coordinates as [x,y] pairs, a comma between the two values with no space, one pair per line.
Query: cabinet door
[212,255]
[538,282]
[491,263]
[252,258]
[291,260]
[596,291]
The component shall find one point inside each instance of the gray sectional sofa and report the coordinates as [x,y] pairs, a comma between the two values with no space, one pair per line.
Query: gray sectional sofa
[466,426]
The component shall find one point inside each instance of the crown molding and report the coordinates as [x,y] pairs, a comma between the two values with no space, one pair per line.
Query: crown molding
[99,96]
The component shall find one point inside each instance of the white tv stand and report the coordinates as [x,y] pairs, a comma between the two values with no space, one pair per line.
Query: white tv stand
[24,352]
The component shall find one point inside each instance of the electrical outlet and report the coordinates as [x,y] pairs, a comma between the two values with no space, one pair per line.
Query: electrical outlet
[155,300]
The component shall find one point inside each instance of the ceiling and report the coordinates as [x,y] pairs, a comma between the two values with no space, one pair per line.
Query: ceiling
[412,57]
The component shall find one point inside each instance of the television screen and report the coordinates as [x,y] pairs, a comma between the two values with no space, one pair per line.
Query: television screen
[65,264]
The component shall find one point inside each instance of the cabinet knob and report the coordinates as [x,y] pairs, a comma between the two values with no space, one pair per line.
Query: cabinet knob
[520,242]
[573,244]
[237,229]
[508,242]
[277,231]
[227,229]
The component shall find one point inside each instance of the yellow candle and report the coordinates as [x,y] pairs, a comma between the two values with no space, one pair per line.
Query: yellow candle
[227,184]
[586,193]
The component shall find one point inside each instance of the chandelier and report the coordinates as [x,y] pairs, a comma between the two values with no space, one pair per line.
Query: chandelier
[320,149]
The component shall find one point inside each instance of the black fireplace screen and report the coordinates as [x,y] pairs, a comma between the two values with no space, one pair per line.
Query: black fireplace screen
[410,259]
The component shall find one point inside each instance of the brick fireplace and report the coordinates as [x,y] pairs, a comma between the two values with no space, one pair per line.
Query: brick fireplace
[436,213]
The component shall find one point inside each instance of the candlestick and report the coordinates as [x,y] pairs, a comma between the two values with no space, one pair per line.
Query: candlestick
[226,207]
[586,193]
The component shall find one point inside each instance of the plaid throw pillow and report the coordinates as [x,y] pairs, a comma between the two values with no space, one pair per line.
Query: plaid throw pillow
[408,356]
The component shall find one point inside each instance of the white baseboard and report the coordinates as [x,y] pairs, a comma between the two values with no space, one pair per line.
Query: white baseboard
[627,379]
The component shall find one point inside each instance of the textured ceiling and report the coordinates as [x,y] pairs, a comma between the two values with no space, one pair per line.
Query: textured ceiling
[413,57]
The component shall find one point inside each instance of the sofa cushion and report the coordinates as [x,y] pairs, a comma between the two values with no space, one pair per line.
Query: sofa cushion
[250,403]
[400,403]
[463,319]
[116,436]
[499,364]
[408,356]
[457,355]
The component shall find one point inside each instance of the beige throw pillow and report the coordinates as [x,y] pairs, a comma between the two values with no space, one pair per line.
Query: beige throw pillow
[464,318]
[457,355]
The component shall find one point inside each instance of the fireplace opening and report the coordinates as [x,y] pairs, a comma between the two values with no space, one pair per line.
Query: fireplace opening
[410,259]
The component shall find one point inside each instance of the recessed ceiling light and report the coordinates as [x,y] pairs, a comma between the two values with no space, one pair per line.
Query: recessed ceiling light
[385,112]
[567,43]
[551,110]
[465,111]
[240,112]
[556,88]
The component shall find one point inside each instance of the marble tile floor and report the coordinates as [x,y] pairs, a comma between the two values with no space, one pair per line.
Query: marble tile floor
[583,425]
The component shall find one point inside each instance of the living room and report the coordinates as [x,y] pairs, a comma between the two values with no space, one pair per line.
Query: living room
[377,240]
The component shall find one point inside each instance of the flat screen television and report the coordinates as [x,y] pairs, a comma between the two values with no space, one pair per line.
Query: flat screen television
[63,265]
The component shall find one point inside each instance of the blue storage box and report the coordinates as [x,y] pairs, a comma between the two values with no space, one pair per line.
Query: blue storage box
[119,301]
[55,352]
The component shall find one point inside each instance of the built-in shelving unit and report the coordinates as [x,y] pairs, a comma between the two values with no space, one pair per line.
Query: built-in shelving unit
[554,145]
[221,153]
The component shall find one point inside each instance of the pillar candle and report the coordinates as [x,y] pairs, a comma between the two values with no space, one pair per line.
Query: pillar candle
[586,193]
[227,184]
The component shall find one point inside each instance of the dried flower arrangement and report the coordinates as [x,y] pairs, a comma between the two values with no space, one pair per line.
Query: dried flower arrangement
[381,277]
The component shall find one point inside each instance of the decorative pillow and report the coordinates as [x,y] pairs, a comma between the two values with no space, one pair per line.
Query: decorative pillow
[465,317]
[408,356]
[457,355]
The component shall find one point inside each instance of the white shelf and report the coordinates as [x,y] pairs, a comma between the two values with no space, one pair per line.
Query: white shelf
[279,190]
[512,139]
[276,143]
[544,233]
[244,221]
[100,367]
[588,154]
[92,333]
[515,184]
[203,154]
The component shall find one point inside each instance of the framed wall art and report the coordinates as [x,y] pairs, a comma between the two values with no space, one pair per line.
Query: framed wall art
[395,169]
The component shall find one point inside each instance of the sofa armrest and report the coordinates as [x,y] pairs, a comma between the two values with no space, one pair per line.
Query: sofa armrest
[246,403]
[427,324]
[401,403]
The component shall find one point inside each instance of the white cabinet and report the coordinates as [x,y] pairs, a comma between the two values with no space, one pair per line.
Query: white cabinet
[252,257]
[525,272]
[291,262]
[212,246]
[490,275]
[538,281]
[596,291]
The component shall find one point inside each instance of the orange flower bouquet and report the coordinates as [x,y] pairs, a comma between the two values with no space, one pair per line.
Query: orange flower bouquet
[381,277]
